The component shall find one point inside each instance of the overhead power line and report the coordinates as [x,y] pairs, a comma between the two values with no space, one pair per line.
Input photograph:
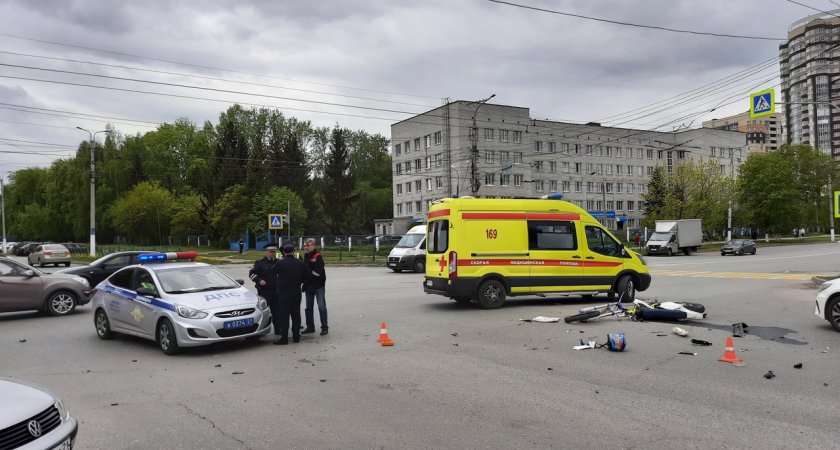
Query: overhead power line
[628,24]
[181,63]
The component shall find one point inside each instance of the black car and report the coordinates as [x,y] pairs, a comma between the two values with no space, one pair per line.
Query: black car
[738,247]
[29,248]
[18,248]
[103,267]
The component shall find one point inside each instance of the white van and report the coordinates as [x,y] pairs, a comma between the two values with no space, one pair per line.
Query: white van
[410,252]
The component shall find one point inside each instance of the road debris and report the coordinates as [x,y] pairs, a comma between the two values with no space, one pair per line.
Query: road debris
[21,340]
[679,331]
[739,329]
[688,353]
[700,342]
[797,366]
[541,319]
[218,365]
[769,374]
[237,373]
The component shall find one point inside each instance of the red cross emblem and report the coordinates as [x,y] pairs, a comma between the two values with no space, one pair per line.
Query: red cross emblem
[442,264]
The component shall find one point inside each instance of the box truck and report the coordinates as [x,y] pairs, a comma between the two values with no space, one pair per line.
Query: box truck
[672,236]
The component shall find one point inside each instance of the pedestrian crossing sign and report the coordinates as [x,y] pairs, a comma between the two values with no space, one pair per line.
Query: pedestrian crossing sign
[762,103]
[275,221]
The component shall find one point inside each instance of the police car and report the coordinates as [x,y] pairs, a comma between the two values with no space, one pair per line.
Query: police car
[177,304]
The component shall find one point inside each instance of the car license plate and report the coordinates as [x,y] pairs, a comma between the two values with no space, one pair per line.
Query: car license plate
[64,445]
[392,264]
[242,323]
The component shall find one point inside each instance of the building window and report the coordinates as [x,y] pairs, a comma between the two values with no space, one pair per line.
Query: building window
[398,149]
[408,208]
[567,186]
[417,166]
[599,151]
[630,205]
[578,186]
[399,209]
[538,166]
[428,163]
[649,170]
[639,153]
[650,153]
[407,146]
[428,184]
[629,188]
[504,179]
[407,166]
[489,179]
[565,167]
[618,152]
[537,146]
[590,186]
[608,151]
[517,137]
[564,148]
[437,160]
[588,150]
[488,134]
[610,205]
[599,168]
[640,171]
[517,157]
[577,149]
[418,185]
[552,185]
[588,167]
[489,156]
[408,188]
[417,144]
[552,166]
[399,189]
[503,135]
[438,182]
[590,205]
[518,179]
[438,138]
[398,169]
[418,206]
[714,152]
[577,167]
[619,205]
[427,141]
[619,187]
[539,185]
[504,157]
[552,147]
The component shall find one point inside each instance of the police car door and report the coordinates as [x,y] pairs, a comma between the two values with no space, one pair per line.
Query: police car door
[143,313]
[119,298]
[556,261]
[603,258]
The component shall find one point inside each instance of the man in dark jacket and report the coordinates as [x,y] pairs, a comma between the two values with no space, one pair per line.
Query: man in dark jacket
[264,275]
[291,275]
[315,287]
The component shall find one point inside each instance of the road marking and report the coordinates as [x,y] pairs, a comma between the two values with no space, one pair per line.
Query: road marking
[735,275]
[749,258]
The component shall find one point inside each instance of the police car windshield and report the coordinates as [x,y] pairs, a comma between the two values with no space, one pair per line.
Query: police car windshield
[410,240]
[184,280]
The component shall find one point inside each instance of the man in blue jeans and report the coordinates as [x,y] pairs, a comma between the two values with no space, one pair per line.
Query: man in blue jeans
[315,288]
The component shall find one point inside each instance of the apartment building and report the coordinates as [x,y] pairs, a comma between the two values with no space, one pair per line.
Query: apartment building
[601,169]
[763,134]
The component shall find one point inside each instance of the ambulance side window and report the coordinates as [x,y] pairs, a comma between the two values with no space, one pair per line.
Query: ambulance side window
[438,239]
[600,242]
[551,235]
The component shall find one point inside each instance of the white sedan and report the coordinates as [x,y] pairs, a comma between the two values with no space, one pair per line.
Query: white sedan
[828,303]
[180,304]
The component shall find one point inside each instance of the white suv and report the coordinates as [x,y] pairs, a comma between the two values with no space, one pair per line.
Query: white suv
[828,303]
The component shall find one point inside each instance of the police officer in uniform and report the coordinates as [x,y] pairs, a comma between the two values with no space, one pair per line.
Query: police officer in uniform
[264,275]
[291,275]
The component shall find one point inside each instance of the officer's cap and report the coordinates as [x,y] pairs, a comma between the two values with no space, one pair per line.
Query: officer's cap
[270,246]
[288,249]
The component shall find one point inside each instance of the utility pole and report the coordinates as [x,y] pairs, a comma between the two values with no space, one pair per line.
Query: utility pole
[3,207]
[603,199]
[92,135]
[474,151]
[729,213]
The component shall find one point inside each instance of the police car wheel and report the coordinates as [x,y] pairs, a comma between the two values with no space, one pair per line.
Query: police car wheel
[166,339]
[60,303]
[103,325]
[491,294]
[420,266]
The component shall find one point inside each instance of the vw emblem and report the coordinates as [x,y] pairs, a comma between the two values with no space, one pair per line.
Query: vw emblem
[34,428]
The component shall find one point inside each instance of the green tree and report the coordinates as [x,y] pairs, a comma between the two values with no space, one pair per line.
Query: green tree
[144,212]
[229,215]
[187,216]
[338,182]
[654,197]
[277,200]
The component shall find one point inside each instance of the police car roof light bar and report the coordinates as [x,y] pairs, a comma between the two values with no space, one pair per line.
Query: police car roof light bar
[169,256]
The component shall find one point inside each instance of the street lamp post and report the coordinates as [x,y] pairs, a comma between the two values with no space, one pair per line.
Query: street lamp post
[603,199]
[457,186]
[92,136]
[474,150]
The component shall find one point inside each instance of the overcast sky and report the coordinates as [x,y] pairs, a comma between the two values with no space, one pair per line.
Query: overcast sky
[394,57]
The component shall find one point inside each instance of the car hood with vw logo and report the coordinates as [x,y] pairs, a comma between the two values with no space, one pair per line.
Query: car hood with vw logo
[20,400]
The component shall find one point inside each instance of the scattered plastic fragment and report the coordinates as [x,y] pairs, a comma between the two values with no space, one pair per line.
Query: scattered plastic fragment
[797,366]
[769,374]
[700,342]
[21,340]
[114,404]
[541,319]
[549,368]
[323,380]
[237,373]
[688,353]
[660,335]
[455,334]
[133,360]
[218,365]
[679,331]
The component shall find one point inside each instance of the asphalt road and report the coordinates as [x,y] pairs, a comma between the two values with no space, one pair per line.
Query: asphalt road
[462,377]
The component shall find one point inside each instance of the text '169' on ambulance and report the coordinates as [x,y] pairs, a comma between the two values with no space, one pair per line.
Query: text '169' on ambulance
[486,250]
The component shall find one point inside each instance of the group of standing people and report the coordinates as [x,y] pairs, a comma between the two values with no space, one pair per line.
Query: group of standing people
[280,281]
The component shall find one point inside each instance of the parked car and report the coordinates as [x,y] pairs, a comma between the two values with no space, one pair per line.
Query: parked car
[24,288]
[74,247]
[34,417]
[104,267]
[738,247]
[7,249]
[29,248]
[18,248]
[49,254]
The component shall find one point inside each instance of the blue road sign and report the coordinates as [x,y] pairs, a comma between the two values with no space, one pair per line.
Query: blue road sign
[600,214]
[275,221]
[762,103]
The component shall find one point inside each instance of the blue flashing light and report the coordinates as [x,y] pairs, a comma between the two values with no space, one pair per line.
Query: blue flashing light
[151,257]
[554,196]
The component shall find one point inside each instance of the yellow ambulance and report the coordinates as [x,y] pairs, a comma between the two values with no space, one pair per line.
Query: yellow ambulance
[490,249]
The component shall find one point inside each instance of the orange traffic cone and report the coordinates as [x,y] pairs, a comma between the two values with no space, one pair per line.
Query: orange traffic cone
[383,336]
[729,352]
